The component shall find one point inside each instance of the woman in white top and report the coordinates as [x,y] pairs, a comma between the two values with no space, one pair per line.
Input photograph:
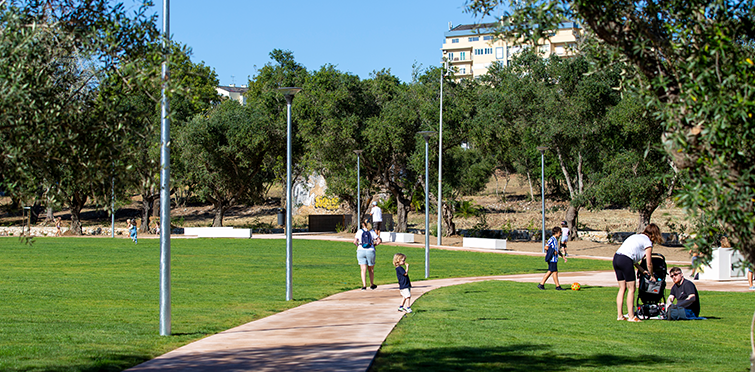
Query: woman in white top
[629,256]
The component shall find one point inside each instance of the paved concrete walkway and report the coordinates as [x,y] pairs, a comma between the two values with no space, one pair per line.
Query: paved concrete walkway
[342,332]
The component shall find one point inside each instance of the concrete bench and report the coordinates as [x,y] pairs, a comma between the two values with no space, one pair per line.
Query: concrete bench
[484,243]
[394,237]
[218,232]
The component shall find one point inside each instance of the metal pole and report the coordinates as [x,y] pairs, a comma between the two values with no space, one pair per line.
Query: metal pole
[288,93]
[427,214]
[289,250]
[426,135]
[542,187]
[165,314]
[440,156]
[359,192]
[112,205]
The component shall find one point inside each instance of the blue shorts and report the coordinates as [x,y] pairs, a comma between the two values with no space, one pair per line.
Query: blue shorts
[624,268]
[553,267]
[366,257]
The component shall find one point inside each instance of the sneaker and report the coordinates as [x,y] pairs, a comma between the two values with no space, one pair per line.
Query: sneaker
[373,286]
[401,308]
[408,310]
[752,288]
[560,289]
[364,288]
[540,286]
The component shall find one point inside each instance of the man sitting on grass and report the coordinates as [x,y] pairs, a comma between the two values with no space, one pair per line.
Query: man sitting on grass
[685,294]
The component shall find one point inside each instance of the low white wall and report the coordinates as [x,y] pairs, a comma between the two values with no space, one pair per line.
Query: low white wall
[484,243]
[394,237]
[725,264]
[218,232]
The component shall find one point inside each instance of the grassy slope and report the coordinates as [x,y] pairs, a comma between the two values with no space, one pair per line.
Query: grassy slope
[507,326]
[78,304]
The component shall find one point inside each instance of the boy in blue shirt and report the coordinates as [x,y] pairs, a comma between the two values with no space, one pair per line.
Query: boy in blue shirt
[551,257]
[404,284]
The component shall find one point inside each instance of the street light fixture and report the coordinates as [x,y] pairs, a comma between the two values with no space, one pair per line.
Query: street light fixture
[542,186]
[288,93]
[359,192]
[426,135]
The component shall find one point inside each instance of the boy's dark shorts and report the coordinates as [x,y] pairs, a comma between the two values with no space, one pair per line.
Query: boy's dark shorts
[553,267]
[377,225]
[563,244]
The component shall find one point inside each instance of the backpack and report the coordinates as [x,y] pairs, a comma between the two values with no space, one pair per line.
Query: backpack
[366,239]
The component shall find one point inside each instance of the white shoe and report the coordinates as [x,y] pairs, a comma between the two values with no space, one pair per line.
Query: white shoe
[408,309]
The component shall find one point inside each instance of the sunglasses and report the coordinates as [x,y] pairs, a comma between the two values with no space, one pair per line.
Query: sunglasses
[675,274]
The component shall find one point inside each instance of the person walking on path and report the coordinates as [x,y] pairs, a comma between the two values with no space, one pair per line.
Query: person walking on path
[551,257]
[564,236]
[629,256]
[131,226]
[59,226]
[404,284]
[377,217]
[366,240]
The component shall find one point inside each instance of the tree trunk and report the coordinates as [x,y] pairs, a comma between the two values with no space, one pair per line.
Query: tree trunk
[402,213]
[77,204]
[644,216]
[529,181]
[49,215]
[220,209]
[448,220]
[571,222]
[147,203]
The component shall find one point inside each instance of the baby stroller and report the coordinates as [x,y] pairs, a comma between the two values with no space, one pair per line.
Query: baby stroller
[651,299]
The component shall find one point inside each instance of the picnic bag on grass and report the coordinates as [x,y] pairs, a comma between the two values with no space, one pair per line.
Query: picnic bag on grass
[366,239]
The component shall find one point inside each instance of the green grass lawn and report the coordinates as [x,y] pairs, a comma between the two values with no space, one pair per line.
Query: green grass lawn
[508,326]
[92,304]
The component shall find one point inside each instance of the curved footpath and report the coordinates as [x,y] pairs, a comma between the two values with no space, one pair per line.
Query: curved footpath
[342,332]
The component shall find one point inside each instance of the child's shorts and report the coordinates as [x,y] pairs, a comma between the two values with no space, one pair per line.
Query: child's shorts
[553,267]
[406,292]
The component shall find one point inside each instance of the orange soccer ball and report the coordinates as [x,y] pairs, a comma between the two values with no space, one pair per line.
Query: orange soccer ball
[575,287]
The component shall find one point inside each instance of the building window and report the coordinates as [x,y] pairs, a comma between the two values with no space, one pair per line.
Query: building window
[488,50]
[478,52]
[463,70]
[499,53]
[454,41]
[474,38]
[451,56]
[462,56]
[487,37]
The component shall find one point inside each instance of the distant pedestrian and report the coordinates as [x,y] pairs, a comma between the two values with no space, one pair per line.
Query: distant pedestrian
[627,257]
[366,240]
[564,236]
[551,257]
[377,218]
[404,284]
[131,226]
[59,226]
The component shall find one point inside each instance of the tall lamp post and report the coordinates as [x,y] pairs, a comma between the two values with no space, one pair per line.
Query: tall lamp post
[359,192]
[288,93]
[542,186]
[440,151]
[165,298]
[426,135]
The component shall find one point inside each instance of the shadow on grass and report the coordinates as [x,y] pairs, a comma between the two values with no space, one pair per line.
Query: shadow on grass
[521,357]
[107,362]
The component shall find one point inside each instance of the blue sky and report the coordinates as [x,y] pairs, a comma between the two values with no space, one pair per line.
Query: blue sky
[234,36]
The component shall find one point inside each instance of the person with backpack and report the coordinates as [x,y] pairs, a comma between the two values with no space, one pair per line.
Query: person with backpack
[366,240]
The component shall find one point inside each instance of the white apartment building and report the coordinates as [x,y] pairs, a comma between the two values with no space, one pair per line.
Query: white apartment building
[471,49]
[233,92]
